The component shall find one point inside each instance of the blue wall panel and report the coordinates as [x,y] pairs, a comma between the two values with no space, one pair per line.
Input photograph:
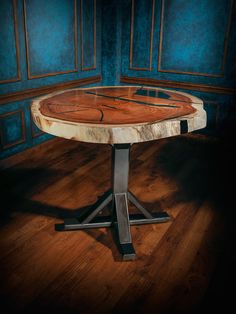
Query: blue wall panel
[16,128]
[193,42]
[48,22]
[112,15]
[194,35]
[59,53]
[45,36]
[142,23]
[9,67]
[12,128]
[88,34]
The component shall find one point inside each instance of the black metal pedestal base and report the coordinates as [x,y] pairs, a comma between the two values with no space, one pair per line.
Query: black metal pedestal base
[119,196]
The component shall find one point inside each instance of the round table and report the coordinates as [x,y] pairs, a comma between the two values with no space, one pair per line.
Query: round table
[120,116]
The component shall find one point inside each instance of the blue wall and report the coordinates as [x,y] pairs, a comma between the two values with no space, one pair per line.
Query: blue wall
[45,42]
[42,43]
[111,41]
[183,41]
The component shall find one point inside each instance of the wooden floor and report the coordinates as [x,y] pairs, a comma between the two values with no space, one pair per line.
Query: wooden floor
[183,266]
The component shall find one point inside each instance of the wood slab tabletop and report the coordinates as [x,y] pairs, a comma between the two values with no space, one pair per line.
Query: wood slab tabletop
[118,114]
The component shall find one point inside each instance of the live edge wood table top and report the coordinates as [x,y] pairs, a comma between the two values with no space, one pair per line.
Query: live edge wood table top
[115,115]
[120,116]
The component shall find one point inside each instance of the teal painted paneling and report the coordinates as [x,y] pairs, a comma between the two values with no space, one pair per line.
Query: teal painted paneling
[52,31]
[12,128]
[112,14]
[193,41]
[142,23]
[194,35]
[88,34]
[57,54]
[48,22]
[16,128]
[8,42]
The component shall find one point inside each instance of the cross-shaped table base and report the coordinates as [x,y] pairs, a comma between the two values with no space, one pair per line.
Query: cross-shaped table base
[118,196]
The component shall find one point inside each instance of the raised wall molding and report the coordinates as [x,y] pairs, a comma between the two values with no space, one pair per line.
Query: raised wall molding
[83,68]
[226,39]
[131,67]
[181,85]
[18,77]
[34,92]
[23,131]
[31,76]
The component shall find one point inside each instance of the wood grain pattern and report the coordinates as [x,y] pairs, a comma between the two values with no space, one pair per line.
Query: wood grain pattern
[117,114]
[114,106]
[184,266]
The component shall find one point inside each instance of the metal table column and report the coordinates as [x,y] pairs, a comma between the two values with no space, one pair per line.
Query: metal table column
[119,196]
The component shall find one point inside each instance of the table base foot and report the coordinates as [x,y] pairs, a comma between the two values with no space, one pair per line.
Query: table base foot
[127,251]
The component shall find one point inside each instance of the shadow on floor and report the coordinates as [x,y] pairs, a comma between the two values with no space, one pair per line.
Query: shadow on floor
[202,167]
